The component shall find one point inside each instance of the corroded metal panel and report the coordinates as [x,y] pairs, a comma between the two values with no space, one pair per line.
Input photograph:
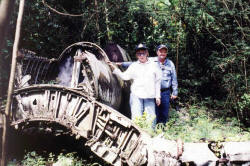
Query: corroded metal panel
[109,134]
[82,66]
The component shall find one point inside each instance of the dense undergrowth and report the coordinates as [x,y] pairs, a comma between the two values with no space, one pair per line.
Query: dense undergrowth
[68,159]
[198,124]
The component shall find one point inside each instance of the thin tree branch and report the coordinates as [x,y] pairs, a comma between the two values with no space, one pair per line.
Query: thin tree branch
[86,22]
[244,35]
[245,72]
[61,13]
[219,41]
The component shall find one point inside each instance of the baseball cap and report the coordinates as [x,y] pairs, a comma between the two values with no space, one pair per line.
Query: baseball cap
[141,46]
[161,46]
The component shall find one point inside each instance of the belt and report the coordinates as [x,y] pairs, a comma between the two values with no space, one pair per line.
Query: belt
[164,89]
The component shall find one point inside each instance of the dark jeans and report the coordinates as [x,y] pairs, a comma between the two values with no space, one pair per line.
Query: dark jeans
[162,110]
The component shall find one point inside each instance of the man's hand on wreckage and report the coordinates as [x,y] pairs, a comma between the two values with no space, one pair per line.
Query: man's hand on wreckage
[111,65]
[158,101]
[118,63]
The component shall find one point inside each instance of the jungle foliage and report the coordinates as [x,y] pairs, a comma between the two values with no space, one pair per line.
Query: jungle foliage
[208,41]
[197,124]
[68,159]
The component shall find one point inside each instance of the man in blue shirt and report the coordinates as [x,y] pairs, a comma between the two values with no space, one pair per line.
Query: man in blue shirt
[168,83]
[169,80]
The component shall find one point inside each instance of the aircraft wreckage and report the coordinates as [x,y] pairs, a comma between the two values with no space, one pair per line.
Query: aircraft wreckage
[79,91]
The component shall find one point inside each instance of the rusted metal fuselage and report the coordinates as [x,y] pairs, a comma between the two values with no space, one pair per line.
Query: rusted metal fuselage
[82,67]
[79,92]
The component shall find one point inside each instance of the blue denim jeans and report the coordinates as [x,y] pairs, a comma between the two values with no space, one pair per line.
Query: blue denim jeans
[139,105]
[162,110]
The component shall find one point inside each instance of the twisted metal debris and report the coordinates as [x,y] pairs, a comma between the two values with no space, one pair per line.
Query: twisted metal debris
[87,107]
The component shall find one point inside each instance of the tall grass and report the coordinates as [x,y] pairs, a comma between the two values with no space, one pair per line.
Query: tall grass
[197,124]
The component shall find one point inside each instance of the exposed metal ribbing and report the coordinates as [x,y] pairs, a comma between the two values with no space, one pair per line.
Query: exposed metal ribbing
[43,103]
[34,65]
[38,71]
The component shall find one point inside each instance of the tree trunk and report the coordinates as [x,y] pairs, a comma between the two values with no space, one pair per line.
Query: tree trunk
[6,7]
[97,22]
[107,21]
[11,83]
[177,54]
